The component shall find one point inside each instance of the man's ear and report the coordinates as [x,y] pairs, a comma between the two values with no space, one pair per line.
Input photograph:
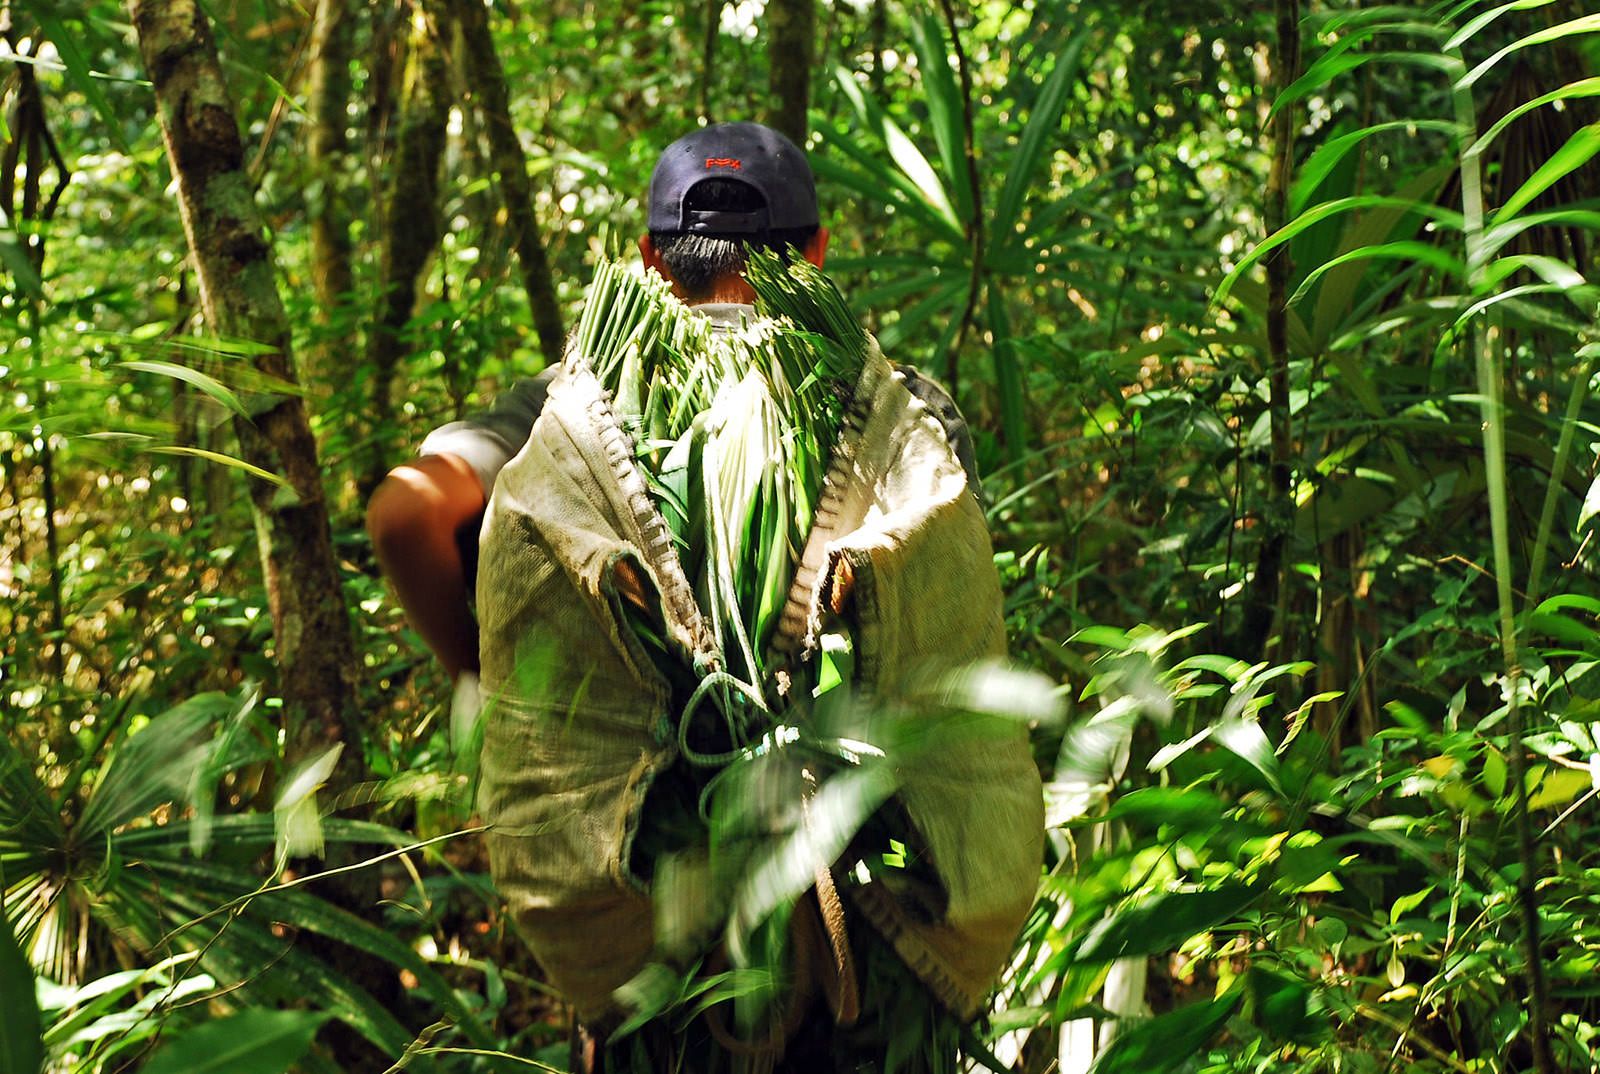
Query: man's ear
[816,250]
[652,257]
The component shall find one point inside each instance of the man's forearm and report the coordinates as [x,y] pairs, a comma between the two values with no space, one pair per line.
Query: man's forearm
[435,601]
[414,517]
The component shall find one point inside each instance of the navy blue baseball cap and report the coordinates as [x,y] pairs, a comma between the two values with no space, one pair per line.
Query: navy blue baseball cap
[748,153]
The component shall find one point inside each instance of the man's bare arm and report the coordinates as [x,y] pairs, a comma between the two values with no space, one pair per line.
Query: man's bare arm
[413,518]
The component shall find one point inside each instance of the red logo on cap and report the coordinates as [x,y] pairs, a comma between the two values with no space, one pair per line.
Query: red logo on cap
[723,162]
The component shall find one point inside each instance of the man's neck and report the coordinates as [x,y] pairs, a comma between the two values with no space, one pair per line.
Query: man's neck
[728,290]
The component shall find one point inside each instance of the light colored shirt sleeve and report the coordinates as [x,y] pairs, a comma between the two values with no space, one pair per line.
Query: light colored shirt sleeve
[488,439]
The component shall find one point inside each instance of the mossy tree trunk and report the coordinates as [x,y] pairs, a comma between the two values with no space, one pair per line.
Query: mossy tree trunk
[485,81]
[239,300]
[410,228]
[327,153]
[1265,620]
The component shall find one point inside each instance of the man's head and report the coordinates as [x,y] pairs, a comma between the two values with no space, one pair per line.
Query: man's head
[720,190]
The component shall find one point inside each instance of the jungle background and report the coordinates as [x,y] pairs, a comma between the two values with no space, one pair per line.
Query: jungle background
[1273,325]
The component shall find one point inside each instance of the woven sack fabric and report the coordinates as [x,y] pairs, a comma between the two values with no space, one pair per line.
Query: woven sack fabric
[577,722]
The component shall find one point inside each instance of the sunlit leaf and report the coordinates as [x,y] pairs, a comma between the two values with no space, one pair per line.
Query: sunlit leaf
[299,825]
[218,457]
[1245,738]
[1578,151]
[945,112]
[210,385]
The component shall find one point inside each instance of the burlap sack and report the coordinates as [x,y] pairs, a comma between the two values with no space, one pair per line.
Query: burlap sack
[577,721]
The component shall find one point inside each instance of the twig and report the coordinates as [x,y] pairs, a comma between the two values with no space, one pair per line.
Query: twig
[300,881]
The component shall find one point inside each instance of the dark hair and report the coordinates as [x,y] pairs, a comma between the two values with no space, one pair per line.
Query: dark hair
[697,261]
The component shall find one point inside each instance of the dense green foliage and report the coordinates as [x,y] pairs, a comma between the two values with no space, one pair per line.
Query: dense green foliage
[1288,470]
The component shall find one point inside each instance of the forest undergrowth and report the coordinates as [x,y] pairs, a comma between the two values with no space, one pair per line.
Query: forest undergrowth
[1274,330]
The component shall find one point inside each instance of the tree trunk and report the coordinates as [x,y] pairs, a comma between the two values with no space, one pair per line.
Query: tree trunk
[708,55]
[411,227]
[239,299]
[327,147]
[1266,614]
[791,48]
[879,30]
[486,85]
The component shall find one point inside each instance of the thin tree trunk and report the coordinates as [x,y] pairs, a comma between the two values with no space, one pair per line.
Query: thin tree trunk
[33,146]
[239,298]
[411,232]
[1265,615]
[486,84]
[327,147]
[880,33]
[708,55]
[791,49]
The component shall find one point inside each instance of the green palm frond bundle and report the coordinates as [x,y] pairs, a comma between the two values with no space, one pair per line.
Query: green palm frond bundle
[733,428]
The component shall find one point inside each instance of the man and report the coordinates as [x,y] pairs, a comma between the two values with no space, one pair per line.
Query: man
[569,761]
[713,193]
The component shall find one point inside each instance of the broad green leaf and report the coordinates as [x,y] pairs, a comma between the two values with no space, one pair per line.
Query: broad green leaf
[945,111]
[1588,87]
[21,1043]
[1494,771]
[250,1042]
[98,996]
[1407,903]
[1559,788]
[1043,124]
[1169,1041]
[1563,601]
[1497,235]
[1585,24]
[1328,155]
[154,766]
[1565,629]
[1283,1006]
[1160,923]
[920,178]
[1245,738]
[877,182]
[299,825]
[1405,250]
[1448,217]
[1228,667]
[1104,636]
[1578,151]
[1470,30]
[210,385]
[1173,750]
[1548,269]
